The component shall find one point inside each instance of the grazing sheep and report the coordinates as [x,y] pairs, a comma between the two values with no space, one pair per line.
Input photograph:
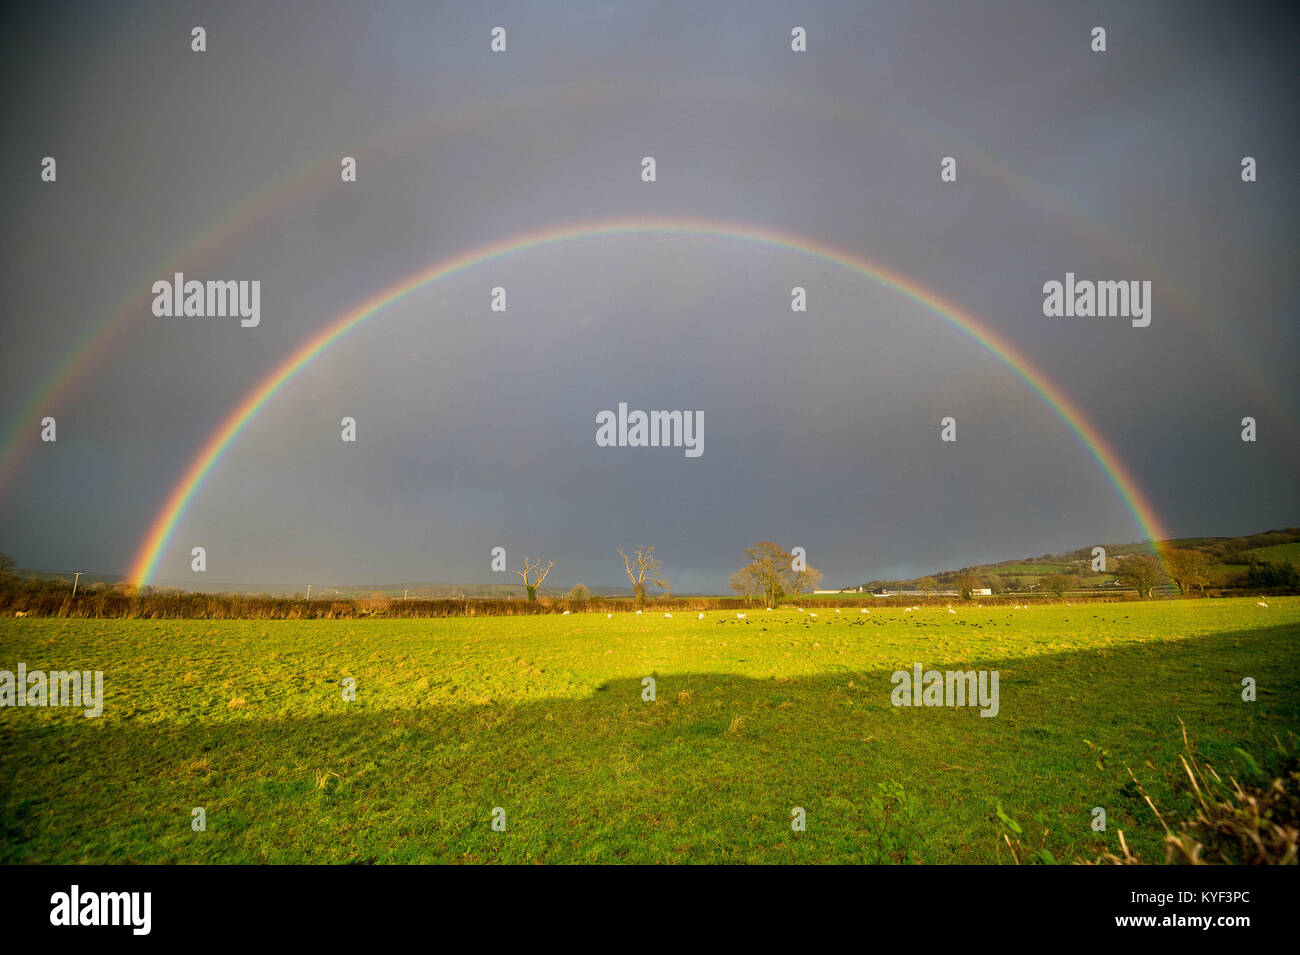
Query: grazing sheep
[700,617]
[20,613]
[668,616]
[837,609]
[1260,604]
[950,610]
[741,616]
[565,614]
[609,616]
[638,613]
[864,610]
[812,614]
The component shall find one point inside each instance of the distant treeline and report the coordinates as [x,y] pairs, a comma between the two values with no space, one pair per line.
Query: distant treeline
[176,606]
[52,597]
[42,602]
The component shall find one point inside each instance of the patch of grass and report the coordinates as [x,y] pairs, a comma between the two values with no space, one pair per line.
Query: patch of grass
[544,717]
[1277,553]
[1255,822]
[1035,570]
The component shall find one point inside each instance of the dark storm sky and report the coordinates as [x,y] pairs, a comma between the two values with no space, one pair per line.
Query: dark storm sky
[477,428]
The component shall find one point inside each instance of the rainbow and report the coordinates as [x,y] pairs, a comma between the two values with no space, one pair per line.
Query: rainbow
[212,451]
[318,175]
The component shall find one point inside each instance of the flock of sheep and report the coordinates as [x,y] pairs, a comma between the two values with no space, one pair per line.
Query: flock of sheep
[744,616]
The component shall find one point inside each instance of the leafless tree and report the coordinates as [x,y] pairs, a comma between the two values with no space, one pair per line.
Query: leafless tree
[538,574]
[644,571]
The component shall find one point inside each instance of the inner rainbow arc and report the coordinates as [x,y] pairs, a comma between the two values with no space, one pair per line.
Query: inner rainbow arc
[164,524]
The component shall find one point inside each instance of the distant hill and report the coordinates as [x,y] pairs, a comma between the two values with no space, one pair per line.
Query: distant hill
[1230,559]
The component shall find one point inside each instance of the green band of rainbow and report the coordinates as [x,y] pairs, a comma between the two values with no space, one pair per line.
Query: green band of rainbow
[164,524]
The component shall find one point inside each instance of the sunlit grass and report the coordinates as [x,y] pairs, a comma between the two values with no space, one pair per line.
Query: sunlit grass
[544,716]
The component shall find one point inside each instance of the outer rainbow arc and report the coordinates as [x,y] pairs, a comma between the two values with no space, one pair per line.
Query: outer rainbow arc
[80,361]
[164,524]
[261,204]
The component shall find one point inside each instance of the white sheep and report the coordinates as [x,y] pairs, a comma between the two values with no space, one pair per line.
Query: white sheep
[1262,604]
[668,616]
[700,617]
[741,616]
[565,614]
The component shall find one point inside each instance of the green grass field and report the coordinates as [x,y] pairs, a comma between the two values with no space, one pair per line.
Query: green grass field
[1034,570]
[544,717]
[1277,553]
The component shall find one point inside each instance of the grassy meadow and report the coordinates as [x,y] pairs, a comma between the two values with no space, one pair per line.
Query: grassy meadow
[544,717]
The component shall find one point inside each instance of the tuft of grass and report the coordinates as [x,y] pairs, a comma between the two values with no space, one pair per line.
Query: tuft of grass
[1233,823]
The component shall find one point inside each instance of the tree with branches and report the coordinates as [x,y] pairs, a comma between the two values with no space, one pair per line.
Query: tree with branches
[538,574]
[1140,572]
[1060,584]
[1188,569]
[966,584]
[771,574]
[644,571]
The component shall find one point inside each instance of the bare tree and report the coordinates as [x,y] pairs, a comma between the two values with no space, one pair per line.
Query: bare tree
[644,571]
[538,573]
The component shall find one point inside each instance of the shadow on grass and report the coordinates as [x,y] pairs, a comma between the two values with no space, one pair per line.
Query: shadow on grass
[710,771]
